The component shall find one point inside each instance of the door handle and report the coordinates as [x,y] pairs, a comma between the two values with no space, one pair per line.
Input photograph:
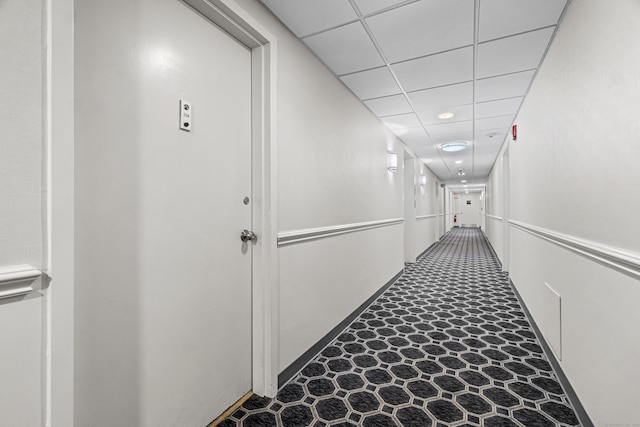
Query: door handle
[247,235]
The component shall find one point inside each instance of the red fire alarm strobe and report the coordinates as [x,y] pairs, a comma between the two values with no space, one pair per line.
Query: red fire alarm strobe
[514,132]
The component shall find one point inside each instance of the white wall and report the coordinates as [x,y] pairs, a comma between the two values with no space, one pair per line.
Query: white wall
[22,204]
[494,202]
[574,171]
[332,171]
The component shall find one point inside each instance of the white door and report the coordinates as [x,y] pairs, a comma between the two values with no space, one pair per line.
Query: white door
[163,303]
[470,210]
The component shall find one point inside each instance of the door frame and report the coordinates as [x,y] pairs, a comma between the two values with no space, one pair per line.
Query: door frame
[409,202]
[58,384]
[265,273]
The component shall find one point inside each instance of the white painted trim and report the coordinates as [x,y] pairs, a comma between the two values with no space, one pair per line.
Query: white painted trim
[265,271]
[421,217]
[17,280]
[59,293]
[617,258]
[297,236]
[494,217]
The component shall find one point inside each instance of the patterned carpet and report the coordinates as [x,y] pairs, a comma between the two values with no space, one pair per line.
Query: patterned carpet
[447,345]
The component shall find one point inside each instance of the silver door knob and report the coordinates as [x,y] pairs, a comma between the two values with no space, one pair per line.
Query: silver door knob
[247,235]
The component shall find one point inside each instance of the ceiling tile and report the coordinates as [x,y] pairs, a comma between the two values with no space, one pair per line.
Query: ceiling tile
[304,17]
[401,121]
[346,49]
[389,105]
[445,96]
[451,137]
[447,68]
[372,83]
[494,123]
[501,107]
[438,167]
[450,128]
[517,53]
[369,6]
[417,139]
[460,112]
[488,146]
[501,87]
[423,28]
[499,18]
[495,136]
[427,150]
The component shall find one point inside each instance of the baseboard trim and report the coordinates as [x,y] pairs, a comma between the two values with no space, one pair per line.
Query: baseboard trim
[290,371]
[426,251]
[582,415]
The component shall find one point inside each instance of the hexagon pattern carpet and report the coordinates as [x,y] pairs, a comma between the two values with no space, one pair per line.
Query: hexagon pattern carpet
[448,344]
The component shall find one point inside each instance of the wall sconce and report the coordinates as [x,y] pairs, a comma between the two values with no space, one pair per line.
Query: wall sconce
[423,180]
[392,161]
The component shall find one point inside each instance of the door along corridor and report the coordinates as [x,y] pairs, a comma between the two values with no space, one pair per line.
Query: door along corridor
[448,344]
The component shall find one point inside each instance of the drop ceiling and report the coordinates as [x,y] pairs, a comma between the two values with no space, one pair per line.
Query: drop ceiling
[412,60]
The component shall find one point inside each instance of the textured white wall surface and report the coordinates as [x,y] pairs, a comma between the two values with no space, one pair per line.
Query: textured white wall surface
[332,160]
[574,170]
[22,202]
[494,201]
[21,124]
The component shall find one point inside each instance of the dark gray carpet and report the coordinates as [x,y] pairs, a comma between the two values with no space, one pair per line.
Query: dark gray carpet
[447,345]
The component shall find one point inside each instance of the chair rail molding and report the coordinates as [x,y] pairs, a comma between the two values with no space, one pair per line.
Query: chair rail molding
[297,236]
[421,217]
[620,259]
[17,280]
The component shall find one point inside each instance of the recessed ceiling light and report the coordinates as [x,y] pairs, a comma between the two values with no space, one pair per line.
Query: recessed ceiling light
[453,146]
[445,115]
[458,162]
[463,181]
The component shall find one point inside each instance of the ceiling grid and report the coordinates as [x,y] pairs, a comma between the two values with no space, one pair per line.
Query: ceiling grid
[412,61]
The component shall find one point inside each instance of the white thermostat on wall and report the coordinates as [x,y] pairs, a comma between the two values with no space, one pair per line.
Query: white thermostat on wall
[185,115]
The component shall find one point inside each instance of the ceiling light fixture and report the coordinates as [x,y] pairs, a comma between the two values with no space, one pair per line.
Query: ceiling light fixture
[445,115]
[461,172]
[463,181]
[451,147]
[458,162]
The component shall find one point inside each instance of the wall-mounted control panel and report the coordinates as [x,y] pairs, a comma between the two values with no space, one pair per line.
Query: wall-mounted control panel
[185,115]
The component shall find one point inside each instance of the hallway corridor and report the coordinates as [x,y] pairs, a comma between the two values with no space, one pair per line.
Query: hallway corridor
[448,344]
